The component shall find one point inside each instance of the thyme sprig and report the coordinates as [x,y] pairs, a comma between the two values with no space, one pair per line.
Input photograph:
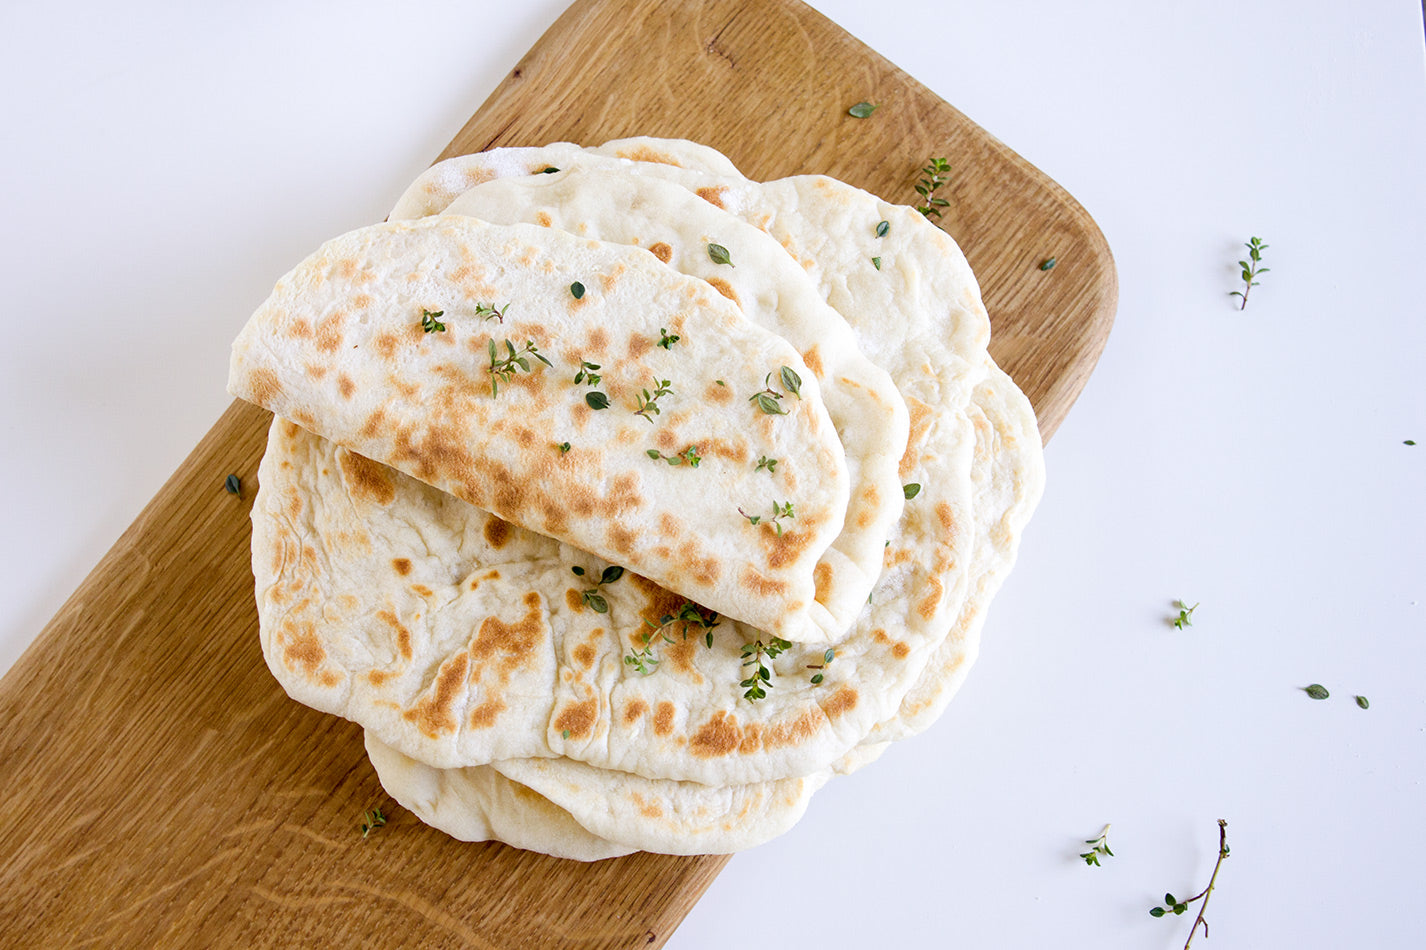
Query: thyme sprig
[648,403]
[1185,614]
[761,679]
[937,174]
[586,374]
[1098,846]
[769,400]
[689,614]
[490,311]
[766,464]
[503,370]
[429,323]
[1177,907]
[370,821]
[666,339]
[1250,270]
[688,456]
[592,598]
[779,511]
[827,659]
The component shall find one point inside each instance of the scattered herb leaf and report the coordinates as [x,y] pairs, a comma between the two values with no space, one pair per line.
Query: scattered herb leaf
[779,511]
[648,403]
[718,254]
[1362,702]
[861,110]
[911,491]
[1047,263]
[234,485]
[766,464]
[429,323]
[666,339]
[548,170]
[1409,442]
[371,820]
[489,310]
[596,400]
[876,262]
[937,174]
[563,447]
[591,597]
[1173,905]
[791,381]
[689,614]
[882,227]
[688,456]
[761,679]
[1316,691]
[1098,846]
[564,734]
[1185,614]
[504,369]
[577,289]
[827,659]
[1250,270]
[586,374]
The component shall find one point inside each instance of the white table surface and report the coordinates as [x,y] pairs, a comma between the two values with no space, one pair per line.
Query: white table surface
[161,164]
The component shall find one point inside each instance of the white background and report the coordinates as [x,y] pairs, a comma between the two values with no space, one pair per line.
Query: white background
[162,163]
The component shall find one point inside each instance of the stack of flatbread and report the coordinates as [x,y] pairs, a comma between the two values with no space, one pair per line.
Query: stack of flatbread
[623,500]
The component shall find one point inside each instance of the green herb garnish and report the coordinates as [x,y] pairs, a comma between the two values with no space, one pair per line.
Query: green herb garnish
[911,491]
[548,170]
[1098,846]
[596,400]
[718,254]
[882,227]
[791,381]
[861,110]
[487,311]
[766,464]
[1185,614]
[1362,702]
[576,289]
[1047,263]
[666,339]
[1316,691]
[586,374]
[937,174]
[688,456]
[1250,269]
[592,598]
[648,403]
[503,370]
[769,400]
[371,820]
[876,262]
[1174,906]
[827,659]
[688,615]
[563,447]
[779,511]
[761,678]
[234,485]
[1409,442]
[564,734]
[429,323]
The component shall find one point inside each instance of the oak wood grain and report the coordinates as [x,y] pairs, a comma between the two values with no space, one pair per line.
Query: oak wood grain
[161,788]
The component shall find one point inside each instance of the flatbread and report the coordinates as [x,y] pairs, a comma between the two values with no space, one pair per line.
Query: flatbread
[343,347]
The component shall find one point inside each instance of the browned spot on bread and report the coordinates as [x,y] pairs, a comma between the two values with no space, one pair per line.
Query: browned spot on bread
[484,715]
[844,700]
[361,301]
[724,288]
[679,654]
[647,808]
[378,677]
[290,429]
[346,267]
[329,332]
[794,733]
[303,649]
[669,525]
[645,153]
[264,386]
[717,393]
[760,585]
[639,345]
[921,416]
[821,578]
[787,547]
[373,425]
[584,655]
[620,538]
[813,359]
[610,280]
[717,737]
[633,709]
[900,650]
[578,718]
[421,590]
[367,480]
[930,603]
[946,515]
[662,251]
[573,599]
[543,219]
[386,344]
[402,565]
[513,642]
[345,385]
[315,371]
[434,713]
[872,496]
[403,636]
[299,329]
[305,417]
[713,194]
[598,339]
[752,739]
[497,532]
[663,719]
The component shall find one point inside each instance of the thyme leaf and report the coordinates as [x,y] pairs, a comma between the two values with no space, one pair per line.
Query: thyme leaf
[688,456]
[234,485]
[666,339]
[861,110]
[937,174]
[371,820]
[503,369]
[429,323]
[648,403]
[718,254]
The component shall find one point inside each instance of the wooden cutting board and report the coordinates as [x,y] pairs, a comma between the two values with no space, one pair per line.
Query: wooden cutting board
[160,788]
